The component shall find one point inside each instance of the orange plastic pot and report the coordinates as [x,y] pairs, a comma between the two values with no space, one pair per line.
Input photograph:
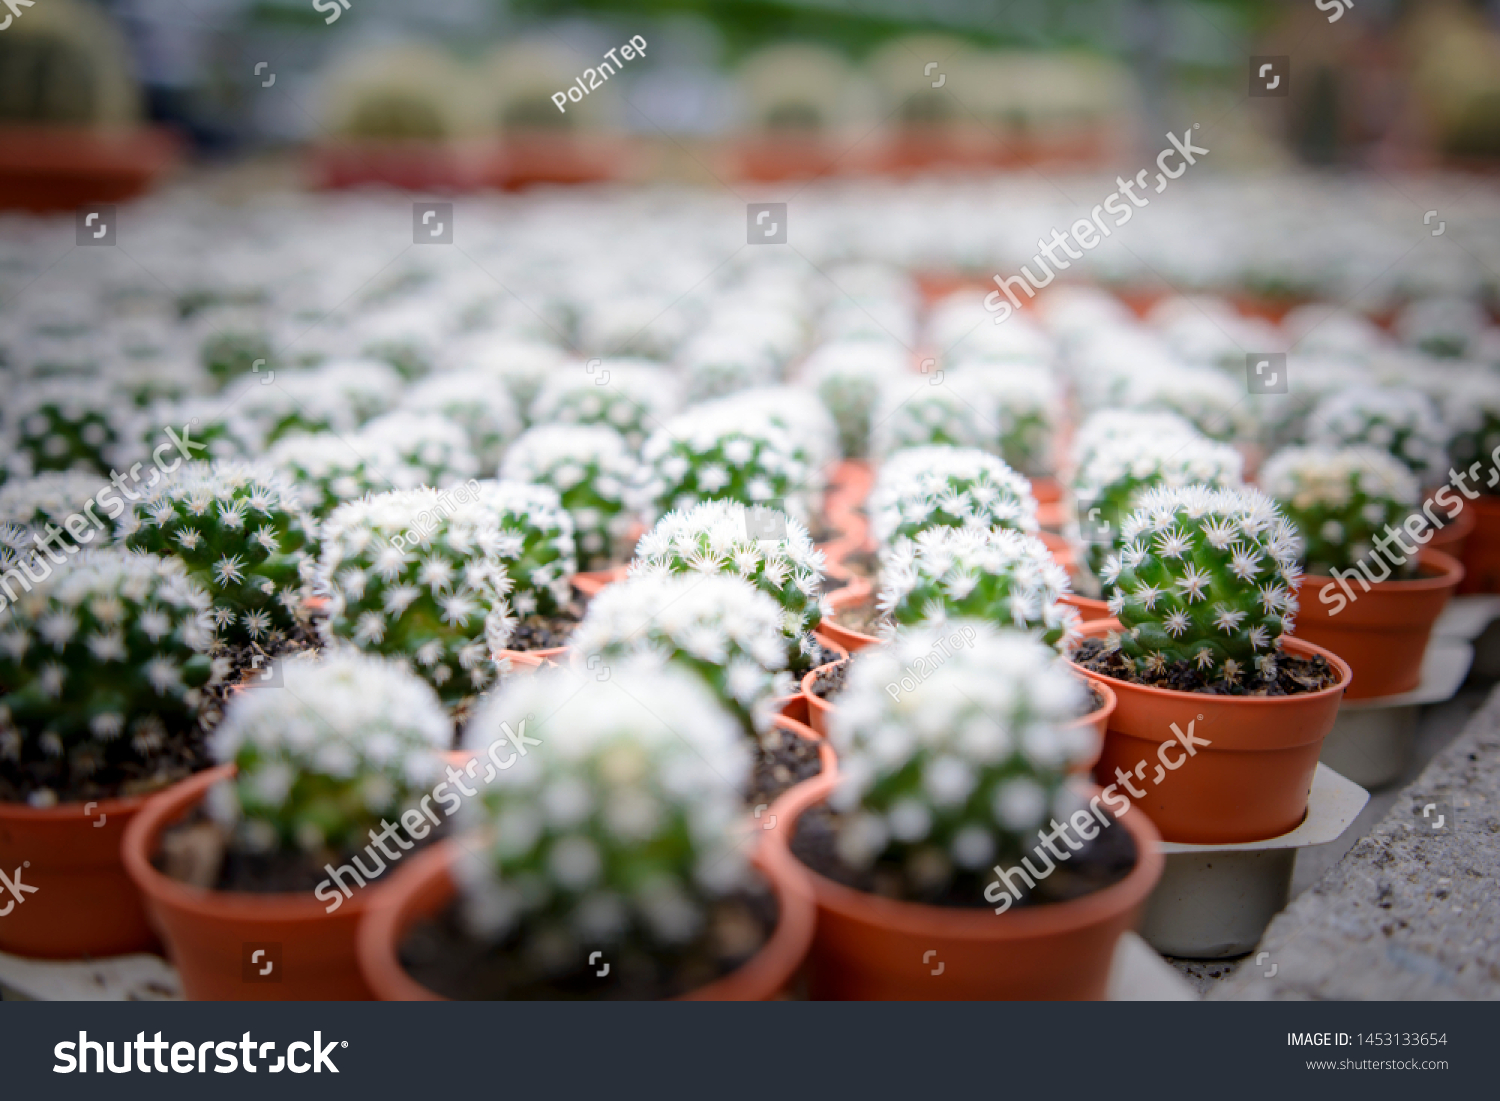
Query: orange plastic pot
[1252,760]
[818,709]
[84,903]
[1062,550]
[211,935]
[1096,720]
[1453,537]
[1088,609]
[870,948]
[1382,633]
[857,592]
[1481,556]
[848,487]
[591,582]
[529,661]
[1047,491]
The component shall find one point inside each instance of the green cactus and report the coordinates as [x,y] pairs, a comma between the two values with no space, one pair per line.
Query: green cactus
[925,487]
[1205,576]
[101,661]
[1028,405]
[1001,576]
[63,425]
[923,412]
[631,396]
[848,377]
[327,469]
[486,412]
[536,544]
[1472,410]
[334,397]
[1341,502]
[325,758]
[1401,422]
[417,449]
[242,532]
[592,470]
[419,576]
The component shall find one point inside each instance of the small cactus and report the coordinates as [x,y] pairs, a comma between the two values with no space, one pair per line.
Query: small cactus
[941,780]
[622,825]
[1205,576]
[1401,422]
[101,661]
[419,576]
[631,396]
[63,425]
[537,544]
[715,364]
[244,536]
[1472,410]
[721,537]
[49,500]
[592,470]
[1341,501]
[1204,397]
[849,377]
[721,627]
[417,449]
[334,397]
[1001,576]
[486,412]
[324,760]
[1029,406]
[519,367]
[918,413]
[327,469]
[926,487]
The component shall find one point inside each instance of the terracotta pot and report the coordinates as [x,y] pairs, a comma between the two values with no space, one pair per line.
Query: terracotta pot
[1249,783]
[870,948]
[857,592]
[84,903]
[1453,537]
[528,661]
[849,486]
[1047,491]
[1096,720]
[1088,609]
[1382,633]
[54,168]
[1482,548]
[590,583]
[210,934]
[818,709]
[426,888]
[1062,550]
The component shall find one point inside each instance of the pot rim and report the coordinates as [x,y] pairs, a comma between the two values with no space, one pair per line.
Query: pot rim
[1299,647]
[1451,573]
[1104,710]
[117,804]
[982,923]
[145,830]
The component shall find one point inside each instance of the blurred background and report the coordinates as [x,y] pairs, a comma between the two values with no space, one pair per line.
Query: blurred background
[463,93]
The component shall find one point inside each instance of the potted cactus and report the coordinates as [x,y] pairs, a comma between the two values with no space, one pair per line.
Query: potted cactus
[592,469]
[540,554]
[1204,591]
[1030,406]
[242,532]
[57,424]
[328,773]
[421,580]
[634,397]
[916,414]
[418,449]
[104,673]
[726,537]
[328,469]
[609,862]
[1401,422]
[848,377]
[486,412]
[1473,413]
[1371,591]
[944,790]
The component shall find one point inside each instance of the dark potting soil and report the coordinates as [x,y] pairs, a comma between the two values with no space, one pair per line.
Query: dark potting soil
[49,781]
[864,618]
[440,954]
[1096,700]
[544,632]
[197,851]
[830,681]
[1294,675]
[862,564]
[816,654]
[1100,863]
[786,761]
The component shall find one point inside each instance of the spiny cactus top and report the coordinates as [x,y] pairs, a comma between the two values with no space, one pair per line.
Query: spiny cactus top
[719,363]
[1002,576]
[63,424]
[1205,576]
[621,822]
[51,499]
[214,422]
[634,397]
[1112,424]
[537,544]
[101,661]
[848,377]
[340,748]
[957,771]
[720,626]
[521,367]
[1472,410]
[727,537]
[418,449]
[1341,501]
[419,575]
[335,397]
[1120,469]
[925,487]
[812,429]
[1205,397]
[1401,422]
[245,537]
[717,452]
[475,401]
[1028,406]
[915,413]
[1442,326]
[592,469]
[328,469]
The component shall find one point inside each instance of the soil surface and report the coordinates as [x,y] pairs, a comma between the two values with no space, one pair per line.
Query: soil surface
[48,781]
[544,632]
[864,618]
[1101,863]
[786,761]
[440,954]
[817,654]
[1294,675]
[830,681]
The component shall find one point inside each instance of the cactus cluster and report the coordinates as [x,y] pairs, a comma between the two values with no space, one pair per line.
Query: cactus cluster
[941,780]
[334,397]
[592,470]
[622,830]
[1028,406]
[721,627]
[537,544]
[326,758]
[242,532]
[926,487]
[213,422]
[634,397]
[1341,502]
[1207,577]
[48,500]
[722,537]
[419,576]
[101,662]
[1009,579]
[717,452]
[849,377]
[1402,422]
